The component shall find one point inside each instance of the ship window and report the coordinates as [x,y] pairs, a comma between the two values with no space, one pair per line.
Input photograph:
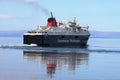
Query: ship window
[63,36]
[76,36]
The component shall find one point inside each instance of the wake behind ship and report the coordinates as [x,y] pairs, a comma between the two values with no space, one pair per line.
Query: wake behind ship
[58,34]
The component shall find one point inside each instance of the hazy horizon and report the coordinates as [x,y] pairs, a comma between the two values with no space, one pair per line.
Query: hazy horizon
[94,34]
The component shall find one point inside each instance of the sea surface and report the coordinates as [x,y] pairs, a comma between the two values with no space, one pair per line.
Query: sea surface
[100,60]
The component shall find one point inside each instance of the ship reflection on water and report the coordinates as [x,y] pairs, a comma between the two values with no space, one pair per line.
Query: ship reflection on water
[57,61]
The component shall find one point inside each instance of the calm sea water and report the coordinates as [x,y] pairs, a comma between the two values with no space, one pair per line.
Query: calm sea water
[99,61]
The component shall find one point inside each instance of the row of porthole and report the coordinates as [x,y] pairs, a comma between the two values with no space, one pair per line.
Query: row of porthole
[64,36]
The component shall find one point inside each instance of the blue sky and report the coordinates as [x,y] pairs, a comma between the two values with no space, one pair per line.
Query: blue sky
[100,15]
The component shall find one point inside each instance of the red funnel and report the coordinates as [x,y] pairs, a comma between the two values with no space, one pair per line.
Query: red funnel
[51,22]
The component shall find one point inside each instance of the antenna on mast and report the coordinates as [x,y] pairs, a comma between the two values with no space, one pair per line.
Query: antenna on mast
[74,19]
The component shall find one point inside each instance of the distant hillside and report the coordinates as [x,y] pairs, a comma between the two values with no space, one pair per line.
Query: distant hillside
[12,33]
[94,34]
[100,34]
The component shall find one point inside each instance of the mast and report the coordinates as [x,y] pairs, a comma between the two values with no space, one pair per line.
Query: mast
[51,15]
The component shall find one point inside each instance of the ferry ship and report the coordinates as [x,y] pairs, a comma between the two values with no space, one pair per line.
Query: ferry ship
[58,34]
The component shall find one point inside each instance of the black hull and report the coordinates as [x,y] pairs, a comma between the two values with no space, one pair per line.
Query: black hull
[56,40]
